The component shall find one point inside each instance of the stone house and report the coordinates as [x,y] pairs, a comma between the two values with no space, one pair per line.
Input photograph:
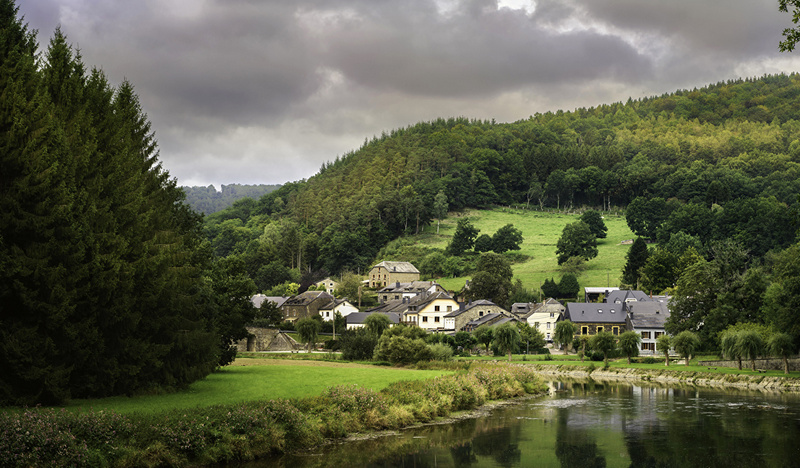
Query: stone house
[592,318]
[386,273]
[458,319]
[408,290]
[329,283]
[304,305]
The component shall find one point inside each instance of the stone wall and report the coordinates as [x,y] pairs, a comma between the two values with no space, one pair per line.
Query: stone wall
[762,364]
[266,339]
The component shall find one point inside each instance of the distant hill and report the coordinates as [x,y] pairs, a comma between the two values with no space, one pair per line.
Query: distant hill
[208,200]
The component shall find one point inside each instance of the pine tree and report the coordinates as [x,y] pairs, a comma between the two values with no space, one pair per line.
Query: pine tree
[637,257]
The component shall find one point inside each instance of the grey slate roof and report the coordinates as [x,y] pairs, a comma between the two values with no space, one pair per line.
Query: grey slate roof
[358,317]
[623,294]
[581,312]
[398,267]
[307,298]
[469,306]
[259,299]
[643,315]
[486,318]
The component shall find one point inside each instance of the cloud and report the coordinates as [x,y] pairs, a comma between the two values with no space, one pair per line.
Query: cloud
[251,91]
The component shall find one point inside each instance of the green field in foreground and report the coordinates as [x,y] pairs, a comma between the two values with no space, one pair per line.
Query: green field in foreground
[259,380]
[540,231]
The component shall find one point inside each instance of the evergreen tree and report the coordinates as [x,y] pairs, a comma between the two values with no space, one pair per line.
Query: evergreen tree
[636,259]
[463,238]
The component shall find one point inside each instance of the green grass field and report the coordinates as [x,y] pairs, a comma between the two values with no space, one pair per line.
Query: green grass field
[256,379]
[541,231]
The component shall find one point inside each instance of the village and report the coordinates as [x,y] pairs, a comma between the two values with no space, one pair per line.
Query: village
[405,299]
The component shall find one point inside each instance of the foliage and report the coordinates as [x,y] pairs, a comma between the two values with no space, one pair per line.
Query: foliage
[635,260]
[628,343]
[564,334]
[208,200]
[465,340]
[401,350]
[506,238]
[568,287]
[791,35]
[463,239]
[550,288]
[532,337]
[685,343]
[492,280]
[781,345]
[483,243]
[440,352]
[576,240]
[604,343]
[506,338]
[358,344]
[663,345]
[308,328]
[594,220]
[485,335]
[749,345]
[377,323]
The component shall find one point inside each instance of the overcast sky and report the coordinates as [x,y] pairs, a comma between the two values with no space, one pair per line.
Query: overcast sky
[264,91]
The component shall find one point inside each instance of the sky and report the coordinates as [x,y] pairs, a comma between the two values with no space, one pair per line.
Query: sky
[265,91]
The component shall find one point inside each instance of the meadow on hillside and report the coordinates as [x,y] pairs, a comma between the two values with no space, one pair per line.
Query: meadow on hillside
[541,231]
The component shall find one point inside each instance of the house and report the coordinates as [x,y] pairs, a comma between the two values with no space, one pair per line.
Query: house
[400,290]
[330,285]
[356,319]
[489,320]
[592,318]
[342,306]
[428,310]
[647,319]
[544,317]
[522,309]
[591,294]
[386,273]
[304,305]
[458,319]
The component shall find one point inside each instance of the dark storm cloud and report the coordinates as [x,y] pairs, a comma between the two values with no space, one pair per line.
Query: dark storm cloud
[264,91]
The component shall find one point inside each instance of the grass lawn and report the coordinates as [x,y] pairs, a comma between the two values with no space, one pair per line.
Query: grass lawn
[541,231]
[252,379]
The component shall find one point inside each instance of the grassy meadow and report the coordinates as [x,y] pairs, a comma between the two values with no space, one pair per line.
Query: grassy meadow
[540,231]
[254,379]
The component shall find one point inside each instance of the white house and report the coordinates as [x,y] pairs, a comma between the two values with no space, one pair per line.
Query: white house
[545,316]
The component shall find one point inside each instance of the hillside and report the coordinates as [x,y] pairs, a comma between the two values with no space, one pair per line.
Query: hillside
[540,230]
[208,200]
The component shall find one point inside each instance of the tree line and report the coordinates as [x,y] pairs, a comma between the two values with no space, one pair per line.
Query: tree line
[107,284]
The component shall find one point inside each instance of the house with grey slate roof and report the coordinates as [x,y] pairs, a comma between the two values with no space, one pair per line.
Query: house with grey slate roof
[408,290]
[356,319]
[457,320]
[647,319]
[592,318]
[386,273]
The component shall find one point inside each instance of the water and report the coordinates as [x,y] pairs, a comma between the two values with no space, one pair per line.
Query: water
[588,424]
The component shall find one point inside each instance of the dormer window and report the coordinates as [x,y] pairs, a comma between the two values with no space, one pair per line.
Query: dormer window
[599,311]
[613,311]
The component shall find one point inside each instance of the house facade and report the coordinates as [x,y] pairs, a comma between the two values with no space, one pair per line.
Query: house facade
[342,306]
[409,290]
[329,283]
[304,305]
[386,273]
[592,318]
[544,316]
[647,319]
[356,319]
[428,311]
[458,319]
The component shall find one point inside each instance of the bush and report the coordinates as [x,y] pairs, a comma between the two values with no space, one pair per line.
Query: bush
[357,345]
[441,352]
[401,350]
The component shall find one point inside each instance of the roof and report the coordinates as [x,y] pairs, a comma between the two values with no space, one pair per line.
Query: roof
[483,320]
[470,305]
[333,304]
[599,290]
[505,320]
[625,295]
[259,299]
[398,267]
[522,307]
[358,317]
[307,298]
[582,312]
[548,306]
[414,287]
[644,315]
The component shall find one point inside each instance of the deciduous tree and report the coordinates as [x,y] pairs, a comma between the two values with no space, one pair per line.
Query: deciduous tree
[576,240]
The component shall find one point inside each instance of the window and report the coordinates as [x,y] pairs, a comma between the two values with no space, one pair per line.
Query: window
[657,334]
[584,330]
[552,314]
[436,319]
[648,346]
[424,318]
[396,296]
[449,308]
[480,313]
[436,309]
[548,325]
[645,335]
[615,330]
[599,329]
[547,337]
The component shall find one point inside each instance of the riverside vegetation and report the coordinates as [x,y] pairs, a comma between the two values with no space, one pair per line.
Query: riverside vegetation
[245,431]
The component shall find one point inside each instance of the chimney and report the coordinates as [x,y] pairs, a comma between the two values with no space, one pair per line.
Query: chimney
[397,285]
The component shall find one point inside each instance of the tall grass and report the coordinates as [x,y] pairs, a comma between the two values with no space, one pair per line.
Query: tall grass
[245,431]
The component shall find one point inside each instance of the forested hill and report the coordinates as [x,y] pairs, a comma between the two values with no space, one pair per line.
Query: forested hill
[208,200]
[732,142]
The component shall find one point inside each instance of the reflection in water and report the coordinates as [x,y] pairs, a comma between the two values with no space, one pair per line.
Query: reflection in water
[592,424]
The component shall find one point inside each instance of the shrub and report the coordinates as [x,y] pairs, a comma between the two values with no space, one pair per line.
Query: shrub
[357,345]
[401,350]
[441,352]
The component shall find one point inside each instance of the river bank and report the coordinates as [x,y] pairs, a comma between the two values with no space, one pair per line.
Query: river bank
[671,376]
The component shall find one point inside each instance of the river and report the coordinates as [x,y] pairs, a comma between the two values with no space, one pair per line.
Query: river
[591,424]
